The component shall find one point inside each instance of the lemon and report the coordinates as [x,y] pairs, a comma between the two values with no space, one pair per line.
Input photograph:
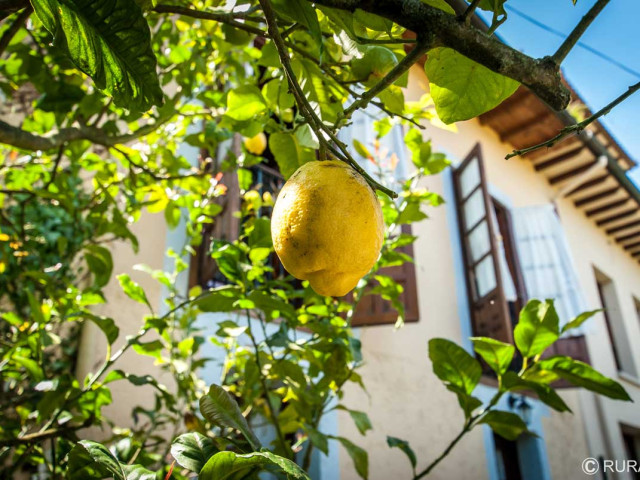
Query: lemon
[256,145]
[327,226]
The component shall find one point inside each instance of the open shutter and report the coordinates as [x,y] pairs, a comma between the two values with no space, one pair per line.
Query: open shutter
[489,313]
[373,310]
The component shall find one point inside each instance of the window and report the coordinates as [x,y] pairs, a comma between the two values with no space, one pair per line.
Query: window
[619,340]
[631,439]
[493,270]
[507,459]
[489,312]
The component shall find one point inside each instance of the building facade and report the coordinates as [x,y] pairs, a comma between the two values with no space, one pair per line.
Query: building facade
[563,218]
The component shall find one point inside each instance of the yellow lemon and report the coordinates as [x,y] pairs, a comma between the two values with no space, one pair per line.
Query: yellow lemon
[327,226]
[256,145]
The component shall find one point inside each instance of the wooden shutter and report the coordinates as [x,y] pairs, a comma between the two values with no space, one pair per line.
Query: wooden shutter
[489,313]
[373,310]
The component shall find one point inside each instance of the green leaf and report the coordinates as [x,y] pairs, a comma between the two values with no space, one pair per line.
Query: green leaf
[132,289]
[582,375]
[319,440]
[506,424]
[497,354]
[138,472]
[404,446]
[579,320]
[288,153]
[302,12]
[495,6]
[100,264]
[512,382]
[219,299]
[537,327]
[245,102]
[110,41]
[454,365]
[220,408]
[107,325]
[193,450]
[361,419]
[230,465]
[90,460]
[440,4]
[461,88]
[152,349]
[359,456]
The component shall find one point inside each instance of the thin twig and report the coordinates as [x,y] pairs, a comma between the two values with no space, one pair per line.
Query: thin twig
[306,110]
[56,164]
[283,443]
[13,29]
[468,13]
[577,127]
[228,18]
[577,32]
[396,72]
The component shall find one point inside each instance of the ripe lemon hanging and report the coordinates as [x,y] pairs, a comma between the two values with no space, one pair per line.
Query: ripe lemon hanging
[327,226]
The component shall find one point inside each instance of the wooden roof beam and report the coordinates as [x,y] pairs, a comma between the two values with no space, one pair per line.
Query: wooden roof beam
[508,135]
[607,207]
[591,183]
[632,246]
[572,173]
[629,236]
[559,159]
[596,196]
[615,218]
[619,228]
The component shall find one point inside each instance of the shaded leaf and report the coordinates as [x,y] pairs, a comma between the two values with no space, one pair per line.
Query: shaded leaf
[90,460]
[193,450]
[404,446]
[100,264]
[220,408]
[506,424]
[512,382]
[359,456]
[319,440]
[110,41]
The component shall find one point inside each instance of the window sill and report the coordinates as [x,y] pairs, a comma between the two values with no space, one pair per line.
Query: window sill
[627,377]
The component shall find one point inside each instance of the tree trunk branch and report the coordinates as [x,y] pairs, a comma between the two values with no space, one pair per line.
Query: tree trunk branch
[542,76]
[22,139]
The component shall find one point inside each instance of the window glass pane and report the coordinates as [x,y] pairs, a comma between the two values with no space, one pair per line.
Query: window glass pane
[479,241]
[473,209]
[485,277]
[470,177]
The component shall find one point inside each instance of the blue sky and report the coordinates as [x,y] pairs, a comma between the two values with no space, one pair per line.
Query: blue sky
[614,33]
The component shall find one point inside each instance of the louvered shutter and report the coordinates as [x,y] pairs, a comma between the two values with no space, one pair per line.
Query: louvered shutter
[373,310]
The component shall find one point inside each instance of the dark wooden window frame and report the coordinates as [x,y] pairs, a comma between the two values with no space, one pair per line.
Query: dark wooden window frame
[575,346]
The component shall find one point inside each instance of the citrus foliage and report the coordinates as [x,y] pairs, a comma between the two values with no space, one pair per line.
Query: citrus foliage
[108,105]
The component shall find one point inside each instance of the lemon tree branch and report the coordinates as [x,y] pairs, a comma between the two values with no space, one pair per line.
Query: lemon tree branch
[578,127]
[325,135]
